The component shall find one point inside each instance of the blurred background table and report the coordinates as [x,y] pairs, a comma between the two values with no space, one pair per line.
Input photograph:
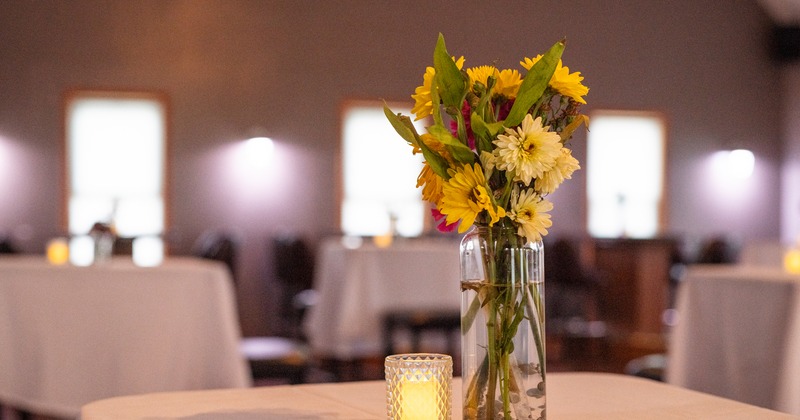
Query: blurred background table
[70,335]
[738,335]
[358,286]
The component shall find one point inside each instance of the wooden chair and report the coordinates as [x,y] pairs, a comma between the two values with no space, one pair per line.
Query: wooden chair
[446,324]
[286,355]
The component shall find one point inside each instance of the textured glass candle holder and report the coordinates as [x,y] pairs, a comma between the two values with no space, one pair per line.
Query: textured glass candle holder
[418,386]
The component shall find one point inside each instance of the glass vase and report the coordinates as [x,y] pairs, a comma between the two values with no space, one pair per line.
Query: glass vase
[502,325]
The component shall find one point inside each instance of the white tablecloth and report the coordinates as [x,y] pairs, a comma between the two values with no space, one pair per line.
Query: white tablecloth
[738,335]
[358,286]
[570,396]
[71,335]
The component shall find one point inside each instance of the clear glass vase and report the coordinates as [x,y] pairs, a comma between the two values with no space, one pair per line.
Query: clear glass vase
[502,325]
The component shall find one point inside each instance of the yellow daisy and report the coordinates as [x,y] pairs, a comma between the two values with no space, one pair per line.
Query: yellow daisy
[531,150]
[507,81]
[481,74]
[431,184]
[563,169]
[529,210]
[563,82]
[423,103]
[465,195]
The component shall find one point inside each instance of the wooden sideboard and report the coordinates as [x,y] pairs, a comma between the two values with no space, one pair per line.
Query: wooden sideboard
[636,272]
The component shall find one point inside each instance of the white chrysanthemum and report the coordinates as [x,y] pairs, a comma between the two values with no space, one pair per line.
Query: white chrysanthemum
[563,169]
[530,151]
[529,211]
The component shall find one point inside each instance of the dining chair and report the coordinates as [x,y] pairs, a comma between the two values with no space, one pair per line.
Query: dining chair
[293,259]
[219,246]
[274,358]
[574,307]
[6,247]
[269,357]
[286,355]
[444,324]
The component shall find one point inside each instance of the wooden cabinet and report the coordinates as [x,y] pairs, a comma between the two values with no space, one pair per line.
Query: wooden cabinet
[637,283]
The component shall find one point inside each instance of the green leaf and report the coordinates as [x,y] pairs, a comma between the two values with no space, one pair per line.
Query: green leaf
[461,152]
[534,84]
[405,128]
[484,132]
[408,133]
[435,101]
[469,316]
[449,79]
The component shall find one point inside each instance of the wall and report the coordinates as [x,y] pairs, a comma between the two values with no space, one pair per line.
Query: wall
[790,186]
[228,65]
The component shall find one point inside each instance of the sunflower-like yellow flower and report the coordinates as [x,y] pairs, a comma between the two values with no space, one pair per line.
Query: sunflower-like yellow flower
[507,82]
[465,195]
[563,82]
[481,74]
[531,150]
[423,103]
[431,184]
[437,146]
[529,211]
[563,169]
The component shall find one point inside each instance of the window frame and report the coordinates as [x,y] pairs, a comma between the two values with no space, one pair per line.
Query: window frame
[344,107]
[662,217]
[74,94]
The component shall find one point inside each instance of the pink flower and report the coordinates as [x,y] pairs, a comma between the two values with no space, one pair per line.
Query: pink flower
[502,113]
[442,225]
[465,111]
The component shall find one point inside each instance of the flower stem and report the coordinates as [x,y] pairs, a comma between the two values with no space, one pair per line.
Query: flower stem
[537,321]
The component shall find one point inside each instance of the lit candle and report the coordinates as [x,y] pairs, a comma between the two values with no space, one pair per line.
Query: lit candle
[58,251]
[791,261]
[383,241]
[418,398]
[418,386]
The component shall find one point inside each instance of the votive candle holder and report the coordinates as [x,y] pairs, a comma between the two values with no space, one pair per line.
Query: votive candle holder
[419,386]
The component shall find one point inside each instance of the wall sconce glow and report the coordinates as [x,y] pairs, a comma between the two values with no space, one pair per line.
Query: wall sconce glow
[260,148]
[739,163]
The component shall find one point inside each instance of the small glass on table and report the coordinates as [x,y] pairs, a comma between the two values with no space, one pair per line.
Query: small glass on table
[419,386]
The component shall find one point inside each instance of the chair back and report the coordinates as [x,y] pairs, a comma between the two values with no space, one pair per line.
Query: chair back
[218,246]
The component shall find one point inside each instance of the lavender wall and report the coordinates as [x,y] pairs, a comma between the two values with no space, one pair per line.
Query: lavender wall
[790,186]
[228,65]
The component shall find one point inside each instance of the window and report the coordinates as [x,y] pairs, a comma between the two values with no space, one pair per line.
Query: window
[625,174]
[116,146]
[379,175]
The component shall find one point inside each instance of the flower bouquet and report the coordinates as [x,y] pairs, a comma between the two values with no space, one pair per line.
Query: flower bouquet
[490,159]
